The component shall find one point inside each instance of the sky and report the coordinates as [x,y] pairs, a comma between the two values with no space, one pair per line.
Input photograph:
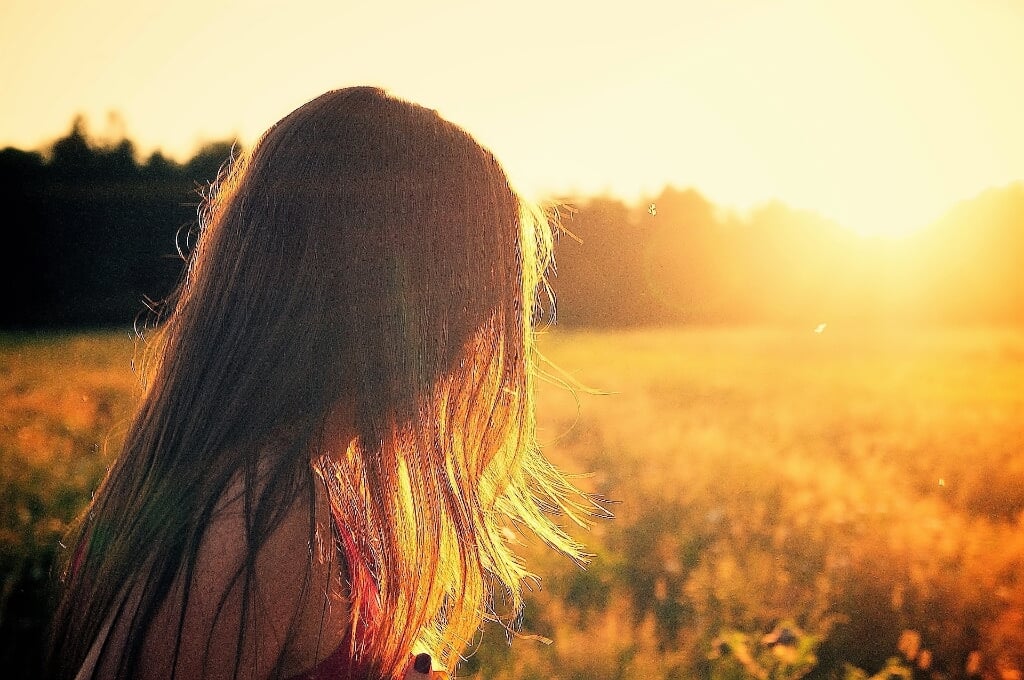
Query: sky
[879,115]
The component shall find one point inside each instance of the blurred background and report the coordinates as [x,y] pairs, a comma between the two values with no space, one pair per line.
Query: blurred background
[790,261]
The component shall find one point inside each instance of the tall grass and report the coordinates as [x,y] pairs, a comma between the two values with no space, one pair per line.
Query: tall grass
[789,503]
[66,399]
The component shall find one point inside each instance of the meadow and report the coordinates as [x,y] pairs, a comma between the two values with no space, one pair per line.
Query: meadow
[787,503]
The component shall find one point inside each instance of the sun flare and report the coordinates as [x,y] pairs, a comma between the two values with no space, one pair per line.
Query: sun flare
[879,116]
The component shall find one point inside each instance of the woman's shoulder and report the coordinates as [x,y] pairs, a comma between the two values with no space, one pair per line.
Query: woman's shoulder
[293,607]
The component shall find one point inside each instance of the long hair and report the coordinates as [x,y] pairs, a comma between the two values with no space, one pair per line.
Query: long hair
[365,250]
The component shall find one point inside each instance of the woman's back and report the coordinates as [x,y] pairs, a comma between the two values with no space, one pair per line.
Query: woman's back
[300,622]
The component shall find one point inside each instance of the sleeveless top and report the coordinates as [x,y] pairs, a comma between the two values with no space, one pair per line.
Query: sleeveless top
[338,666]
[341,664]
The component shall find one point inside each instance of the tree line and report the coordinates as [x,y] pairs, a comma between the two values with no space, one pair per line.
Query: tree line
[95,236]
[91,232]
[679,259]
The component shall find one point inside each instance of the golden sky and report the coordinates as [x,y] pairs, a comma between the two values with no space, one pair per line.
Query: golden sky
[880,115]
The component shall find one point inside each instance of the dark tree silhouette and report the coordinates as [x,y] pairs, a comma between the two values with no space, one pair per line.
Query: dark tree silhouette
[93,231]
[93,237]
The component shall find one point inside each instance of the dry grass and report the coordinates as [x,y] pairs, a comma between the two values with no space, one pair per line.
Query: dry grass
[848,486]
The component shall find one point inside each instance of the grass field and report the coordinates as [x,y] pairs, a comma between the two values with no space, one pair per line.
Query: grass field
[788,503]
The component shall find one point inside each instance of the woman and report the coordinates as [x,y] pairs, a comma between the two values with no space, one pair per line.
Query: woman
[338,432]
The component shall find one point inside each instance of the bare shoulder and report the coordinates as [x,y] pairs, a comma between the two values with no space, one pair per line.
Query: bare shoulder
[296,609]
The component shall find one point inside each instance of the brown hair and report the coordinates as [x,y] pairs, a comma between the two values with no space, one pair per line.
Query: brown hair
[365,250]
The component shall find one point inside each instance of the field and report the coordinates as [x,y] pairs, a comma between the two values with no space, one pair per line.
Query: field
[787,503]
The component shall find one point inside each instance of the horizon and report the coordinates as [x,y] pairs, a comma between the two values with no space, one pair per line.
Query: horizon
[879,118]
[742,213]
